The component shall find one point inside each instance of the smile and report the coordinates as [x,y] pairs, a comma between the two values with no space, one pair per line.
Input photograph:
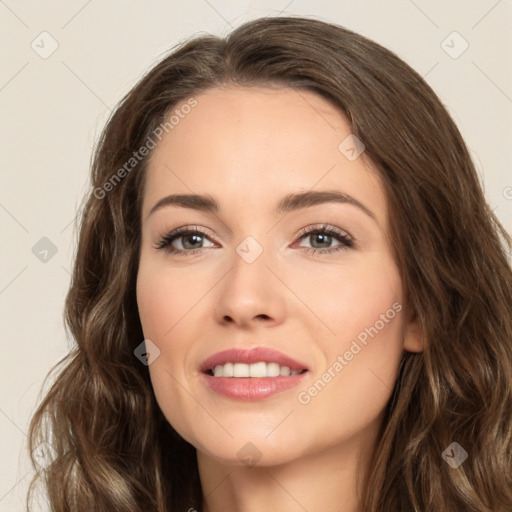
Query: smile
[251,374]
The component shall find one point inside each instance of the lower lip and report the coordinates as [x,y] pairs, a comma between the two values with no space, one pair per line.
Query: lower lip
[251,388]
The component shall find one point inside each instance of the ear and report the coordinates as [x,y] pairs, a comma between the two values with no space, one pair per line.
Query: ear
[413,335]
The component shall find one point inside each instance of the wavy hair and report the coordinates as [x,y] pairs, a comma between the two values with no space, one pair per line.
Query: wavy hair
[112,448]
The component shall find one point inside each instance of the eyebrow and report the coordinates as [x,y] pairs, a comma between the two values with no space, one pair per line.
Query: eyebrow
[287,204]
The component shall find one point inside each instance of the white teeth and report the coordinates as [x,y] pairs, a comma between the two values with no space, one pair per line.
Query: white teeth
[285,371]
[228,370]
[273,370]
[240,370]
[257,370]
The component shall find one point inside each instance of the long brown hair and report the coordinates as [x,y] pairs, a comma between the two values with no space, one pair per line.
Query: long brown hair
[112,449]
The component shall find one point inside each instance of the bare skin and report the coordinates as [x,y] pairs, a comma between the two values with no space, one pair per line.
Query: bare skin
[248,148]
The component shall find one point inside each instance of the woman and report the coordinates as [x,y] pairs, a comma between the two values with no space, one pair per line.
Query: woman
[289,293]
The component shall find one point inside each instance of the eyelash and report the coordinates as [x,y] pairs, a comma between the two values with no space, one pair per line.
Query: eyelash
[346,241]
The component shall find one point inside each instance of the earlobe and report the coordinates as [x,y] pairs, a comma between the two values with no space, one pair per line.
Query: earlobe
[413,336]
[413,345]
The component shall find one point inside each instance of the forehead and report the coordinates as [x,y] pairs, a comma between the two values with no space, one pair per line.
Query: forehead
[251,146]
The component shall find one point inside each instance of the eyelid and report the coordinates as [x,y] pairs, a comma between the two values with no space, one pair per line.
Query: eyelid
[345,239]
[327,228]
[174,234]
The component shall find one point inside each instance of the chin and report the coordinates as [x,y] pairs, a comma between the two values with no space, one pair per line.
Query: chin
[247,448]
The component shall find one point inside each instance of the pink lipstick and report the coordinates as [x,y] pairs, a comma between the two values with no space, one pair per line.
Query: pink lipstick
[251,374]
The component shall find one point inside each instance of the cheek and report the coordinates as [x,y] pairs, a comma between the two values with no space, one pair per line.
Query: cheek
[162,303]
[353,297]
[349,395]
[370,328]
[164,296]
[166,302]
[363,354]
[152,307]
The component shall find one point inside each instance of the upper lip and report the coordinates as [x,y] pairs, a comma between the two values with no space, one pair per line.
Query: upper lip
[248,356]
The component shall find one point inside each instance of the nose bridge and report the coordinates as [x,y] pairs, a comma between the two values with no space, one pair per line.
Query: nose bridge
[250,275]
[250,250]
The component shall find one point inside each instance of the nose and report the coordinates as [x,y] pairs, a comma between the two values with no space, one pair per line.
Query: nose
[250,294]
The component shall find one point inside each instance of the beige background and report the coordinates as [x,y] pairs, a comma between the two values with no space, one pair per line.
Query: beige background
[53,108]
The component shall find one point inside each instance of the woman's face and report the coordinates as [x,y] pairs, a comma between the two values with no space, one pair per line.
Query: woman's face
[249,276]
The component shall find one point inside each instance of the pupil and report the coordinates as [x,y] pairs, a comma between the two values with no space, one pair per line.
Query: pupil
[320,236]
[198,238]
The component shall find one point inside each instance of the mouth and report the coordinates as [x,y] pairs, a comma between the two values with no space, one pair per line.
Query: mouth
[252,374]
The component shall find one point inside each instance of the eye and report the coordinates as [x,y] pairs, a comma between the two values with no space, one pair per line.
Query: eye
[192,240]
[324,236]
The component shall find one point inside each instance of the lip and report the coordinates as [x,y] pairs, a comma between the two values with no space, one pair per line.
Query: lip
[251,388]
[249,356]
